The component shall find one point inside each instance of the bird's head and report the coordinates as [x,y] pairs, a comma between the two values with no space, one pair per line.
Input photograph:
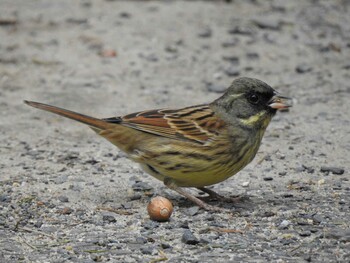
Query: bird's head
[251,102]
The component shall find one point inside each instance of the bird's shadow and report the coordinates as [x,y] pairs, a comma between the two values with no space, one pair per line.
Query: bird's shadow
[231,203]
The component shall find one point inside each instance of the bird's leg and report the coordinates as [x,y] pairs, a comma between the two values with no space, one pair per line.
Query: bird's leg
[173,186]
[214,195]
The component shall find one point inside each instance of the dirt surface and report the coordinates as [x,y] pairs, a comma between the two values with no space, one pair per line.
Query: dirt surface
[67,195]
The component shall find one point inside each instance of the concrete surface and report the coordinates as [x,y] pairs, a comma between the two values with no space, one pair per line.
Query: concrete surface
[67,195]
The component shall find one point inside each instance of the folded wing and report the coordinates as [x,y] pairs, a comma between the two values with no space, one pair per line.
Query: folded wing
[196,123]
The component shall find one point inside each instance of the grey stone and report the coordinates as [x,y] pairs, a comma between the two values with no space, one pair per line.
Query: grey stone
[63,199]
[188,238]
[232,71]
[109,218]
[284,224]
[332,169]
[303,68]
[241,30]
[267,23]
[230,43]
[305,233]
[205,32]
[192,210]
[216,88]
[339,234]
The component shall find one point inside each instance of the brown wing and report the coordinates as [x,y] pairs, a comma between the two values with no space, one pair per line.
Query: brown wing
[197,123]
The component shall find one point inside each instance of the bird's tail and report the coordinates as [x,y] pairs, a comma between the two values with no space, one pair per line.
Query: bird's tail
[96,124]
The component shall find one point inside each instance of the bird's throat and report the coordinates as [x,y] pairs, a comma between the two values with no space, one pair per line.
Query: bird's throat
[259,120]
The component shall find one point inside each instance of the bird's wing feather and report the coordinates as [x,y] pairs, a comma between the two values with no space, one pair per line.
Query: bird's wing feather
[197,123]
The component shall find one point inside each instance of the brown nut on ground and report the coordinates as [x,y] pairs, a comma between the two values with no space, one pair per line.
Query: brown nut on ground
[159,209]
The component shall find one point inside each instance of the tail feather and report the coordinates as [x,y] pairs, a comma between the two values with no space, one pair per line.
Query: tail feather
[91,121]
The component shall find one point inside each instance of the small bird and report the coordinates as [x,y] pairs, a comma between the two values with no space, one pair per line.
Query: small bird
[196,146]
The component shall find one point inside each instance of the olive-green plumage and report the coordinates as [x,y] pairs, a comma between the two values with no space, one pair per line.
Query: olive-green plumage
[195,146]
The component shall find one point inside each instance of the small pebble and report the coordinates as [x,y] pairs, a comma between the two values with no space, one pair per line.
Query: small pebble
[109,218]
[268,178]
[8,21]
[342,202]
[127,205]
[308,169]
[217,75]
[146,250]
[303,222]
[284,224]
[287,195]
[287,242]
[90,161]
[5,198]
[305,233]
[230,43]
[108,53]
[333,170]
[339,234]
[141,186]
[205,241]
[76,20]
[125,15]
[188,238]
[171,49]
[241,30]
[165,246]
[232,59]
[307,258]
[245,184]
[268,214]
[252,56]
[61,179]
[66,211]
[299,169]
[38,223]
[346,66]
[205,32]
[267,23]
[184,225]
[216,88]
[321,182]
[151,57]
[135,197]
[149,225]
[313,230]
[140,240]
[317,219]
[63,199]
[192,210]
[232,71]
[303,68]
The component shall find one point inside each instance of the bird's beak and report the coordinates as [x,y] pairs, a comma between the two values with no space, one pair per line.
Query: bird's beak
[279,102]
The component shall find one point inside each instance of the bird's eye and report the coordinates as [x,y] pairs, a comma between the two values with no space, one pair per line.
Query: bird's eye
[253,98]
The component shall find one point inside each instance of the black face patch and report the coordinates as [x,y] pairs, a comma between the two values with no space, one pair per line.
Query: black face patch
[246,97]
[260,99]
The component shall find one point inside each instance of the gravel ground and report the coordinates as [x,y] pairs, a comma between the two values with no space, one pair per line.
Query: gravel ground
[67,195]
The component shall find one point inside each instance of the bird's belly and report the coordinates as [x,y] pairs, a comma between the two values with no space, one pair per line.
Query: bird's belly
[195,167]
[212,175]
[193,175]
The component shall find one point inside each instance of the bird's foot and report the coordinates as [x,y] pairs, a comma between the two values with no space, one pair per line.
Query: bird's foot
[215,196]
[172,185]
